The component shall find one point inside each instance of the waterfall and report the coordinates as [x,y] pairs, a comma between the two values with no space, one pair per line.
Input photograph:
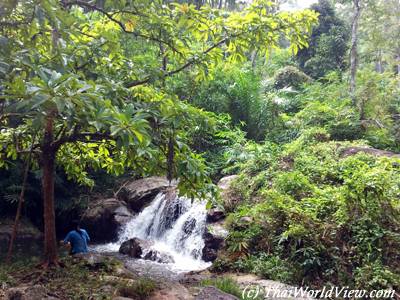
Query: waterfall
[176,226]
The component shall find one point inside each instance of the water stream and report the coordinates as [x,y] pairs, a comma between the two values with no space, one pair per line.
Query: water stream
[175,225]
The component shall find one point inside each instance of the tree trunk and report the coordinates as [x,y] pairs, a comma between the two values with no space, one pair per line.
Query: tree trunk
[353,50]
[253,58]
[48,165]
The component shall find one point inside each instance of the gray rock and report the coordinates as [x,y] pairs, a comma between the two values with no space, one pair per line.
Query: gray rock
[158,256]
[135,247]
[104,218]
[139,193]
[138,248]
[213,241]
[372,151]
[212,293]
[225,182]
[171,291]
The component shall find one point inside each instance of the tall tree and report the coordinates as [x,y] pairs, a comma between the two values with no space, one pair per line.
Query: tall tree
[328,43]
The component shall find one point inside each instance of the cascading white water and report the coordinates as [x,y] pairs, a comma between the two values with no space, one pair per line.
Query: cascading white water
[175,225]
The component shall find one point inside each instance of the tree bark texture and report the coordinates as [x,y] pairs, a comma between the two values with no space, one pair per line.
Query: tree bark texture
[48,168]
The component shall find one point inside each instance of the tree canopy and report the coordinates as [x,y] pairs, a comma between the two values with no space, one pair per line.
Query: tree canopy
[328,43]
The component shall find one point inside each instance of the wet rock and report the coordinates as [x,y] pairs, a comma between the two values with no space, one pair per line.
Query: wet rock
[135,247]
[213,241]
[28,236]
[189,226]
[215,215]
[104,218]
[209,254]
[122,215]
[212,293]
[173,209]
[138,193]
[159,256]
[138,248]
[36,292]
[196,253]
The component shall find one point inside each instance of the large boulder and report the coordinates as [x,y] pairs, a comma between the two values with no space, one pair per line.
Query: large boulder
[138,248]
[158,256]
[28,236]
[104,218]
[372,151]
[135,247]
[225,182]
[139,193]
[214,238]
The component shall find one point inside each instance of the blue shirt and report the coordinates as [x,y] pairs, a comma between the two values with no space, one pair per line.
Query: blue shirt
[78,241]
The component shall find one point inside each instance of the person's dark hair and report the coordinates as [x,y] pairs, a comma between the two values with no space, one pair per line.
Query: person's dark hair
[75,224]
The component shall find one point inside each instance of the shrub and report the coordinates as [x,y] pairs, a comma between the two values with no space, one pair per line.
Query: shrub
[374,276]
[230,286]
[141,289]
[225,284]
[294,183]
[318,217]
[290,77]
[267,266]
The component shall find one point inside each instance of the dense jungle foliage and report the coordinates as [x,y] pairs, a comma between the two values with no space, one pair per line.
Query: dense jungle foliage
[92,92]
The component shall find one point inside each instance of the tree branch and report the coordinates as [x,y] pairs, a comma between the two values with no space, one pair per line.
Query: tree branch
[189,63]
[111,17]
